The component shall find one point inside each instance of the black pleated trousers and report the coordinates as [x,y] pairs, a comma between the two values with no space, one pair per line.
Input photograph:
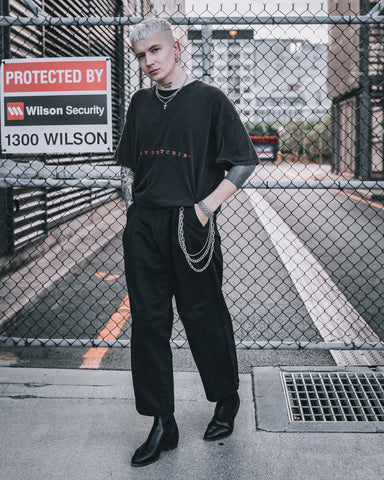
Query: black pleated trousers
[156,270]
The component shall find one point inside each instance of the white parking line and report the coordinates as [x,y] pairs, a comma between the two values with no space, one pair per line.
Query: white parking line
[334,317]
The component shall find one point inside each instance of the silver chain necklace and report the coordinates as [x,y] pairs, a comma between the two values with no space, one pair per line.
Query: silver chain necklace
[166,100]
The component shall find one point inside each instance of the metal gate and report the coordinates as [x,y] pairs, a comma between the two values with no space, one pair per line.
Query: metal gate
[302,240]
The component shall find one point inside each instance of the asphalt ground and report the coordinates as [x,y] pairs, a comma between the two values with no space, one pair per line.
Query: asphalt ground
[119,358]
[343,232]
[261,296]
[80,305]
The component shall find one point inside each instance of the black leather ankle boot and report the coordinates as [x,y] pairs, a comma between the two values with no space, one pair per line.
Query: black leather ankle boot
[223,420]
[164,435]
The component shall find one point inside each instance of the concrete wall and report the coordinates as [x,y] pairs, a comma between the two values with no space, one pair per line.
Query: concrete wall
[347,137]
[377,141]
[344,77]
[343,51]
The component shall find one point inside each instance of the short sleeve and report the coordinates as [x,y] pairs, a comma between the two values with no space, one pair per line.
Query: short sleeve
[234,146]
[125,154]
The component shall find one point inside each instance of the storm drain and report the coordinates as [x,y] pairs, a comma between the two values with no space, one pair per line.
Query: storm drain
[334,396]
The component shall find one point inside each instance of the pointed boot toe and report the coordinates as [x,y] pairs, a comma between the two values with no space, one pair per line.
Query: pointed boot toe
[163,436]
[222,423]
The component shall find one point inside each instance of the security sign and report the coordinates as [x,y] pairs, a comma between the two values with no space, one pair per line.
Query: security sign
[56,105]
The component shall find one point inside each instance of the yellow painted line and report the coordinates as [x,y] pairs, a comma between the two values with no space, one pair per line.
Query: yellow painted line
[94,356]
[361,199]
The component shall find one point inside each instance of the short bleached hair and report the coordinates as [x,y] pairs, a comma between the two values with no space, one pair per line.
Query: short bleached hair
[149,26]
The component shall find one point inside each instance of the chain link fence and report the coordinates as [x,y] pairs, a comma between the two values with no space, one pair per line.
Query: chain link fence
[302,240]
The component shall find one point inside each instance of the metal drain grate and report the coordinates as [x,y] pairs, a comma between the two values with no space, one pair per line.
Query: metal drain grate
[334,396]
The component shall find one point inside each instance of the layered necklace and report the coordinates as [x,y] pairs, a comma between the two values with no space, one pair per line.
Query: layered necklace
[166,100]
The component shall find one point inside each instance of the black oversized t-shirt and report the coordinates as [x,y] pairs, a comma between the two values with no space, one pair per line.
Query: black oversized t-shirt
[179,154]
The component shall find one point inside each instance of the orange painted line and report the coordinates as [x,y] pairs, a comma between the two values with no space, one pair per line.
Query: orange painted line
[361,199]
[94,356]
[108,278]
[8,359]
[111,277]
[100,274]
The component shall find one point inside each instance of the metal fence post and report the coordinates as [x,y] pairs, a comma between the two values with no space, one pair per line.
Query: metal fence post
[206,40]
[141,75]
[332,138]
[357,169]
[120,65]
[366,101]
[336,137]
[43,157]
[4,31]
[338,140]
[6,197]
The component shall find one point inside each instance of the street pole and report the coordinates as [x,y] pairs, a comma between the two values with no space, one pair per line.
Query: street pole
[6,194]
[366,101]
[206,40]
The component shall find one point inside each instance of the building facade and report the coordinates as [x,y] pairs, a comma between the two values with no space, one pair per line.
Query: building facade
[270,81]
[356,88]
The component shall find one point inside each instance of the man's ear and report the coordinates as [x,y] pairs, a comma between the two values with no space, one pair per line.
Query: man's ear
[176,47]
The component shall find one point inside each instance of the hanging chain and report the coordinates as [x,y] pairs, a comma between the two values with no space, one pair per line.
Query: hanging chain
[207,249]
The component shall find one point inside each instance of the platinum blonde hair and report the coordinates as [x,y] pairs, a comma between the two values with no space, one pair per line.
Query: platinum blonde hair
[149,26]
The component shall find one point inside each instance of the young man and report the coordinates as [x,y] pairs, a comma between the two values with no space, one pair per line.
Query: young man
[180,137]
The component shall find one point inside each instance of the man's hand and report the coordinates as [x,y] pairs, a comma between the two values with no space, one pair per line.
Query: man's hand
[200,215]
[223,191]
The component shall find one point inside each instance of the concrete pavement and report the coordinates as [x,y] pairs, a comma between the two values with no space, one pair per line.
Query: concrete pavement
[82,424]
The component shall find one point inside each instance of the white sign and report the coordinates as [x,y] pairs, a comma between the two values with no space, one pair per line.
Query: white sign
[56,105]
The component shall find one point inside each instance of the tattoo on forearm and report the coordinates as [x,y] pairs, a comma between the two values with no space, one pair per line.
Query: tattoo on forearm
[239,173]
[127,177]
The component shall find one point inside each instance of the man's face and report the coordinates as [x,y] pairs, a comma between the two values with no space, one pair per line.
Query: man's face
[156,55]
